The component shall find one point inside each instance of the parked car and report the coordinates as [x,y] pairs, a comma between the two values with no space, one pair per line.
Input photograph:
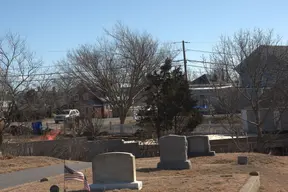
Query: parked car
[66,114]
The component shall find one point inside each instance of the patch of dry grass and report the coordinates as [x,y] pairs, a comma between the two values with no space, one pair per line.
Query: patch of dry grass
[219,173]
[10,163]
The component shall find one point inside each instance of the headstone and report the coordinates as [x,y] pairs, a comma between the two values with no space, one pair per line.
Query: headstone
[173,153]
[242,160]
[54,188]
[114,170]
[199,145]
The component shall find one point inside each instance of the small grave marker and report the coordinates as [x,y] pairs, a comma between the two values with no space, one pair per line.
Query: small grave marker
[242,160]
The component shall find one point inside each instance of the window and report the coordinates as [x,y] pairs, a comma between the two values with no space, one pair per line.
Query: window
[87,110]
[76,97]
[202,100]
[64,112]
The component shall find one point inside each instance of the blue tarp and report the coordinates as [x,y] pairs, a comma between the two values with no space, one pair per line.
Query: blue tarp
[37,127]
[201,107]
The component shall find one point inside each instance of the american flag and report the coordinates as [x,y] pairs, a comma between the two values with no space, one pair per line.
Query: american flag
[70,174]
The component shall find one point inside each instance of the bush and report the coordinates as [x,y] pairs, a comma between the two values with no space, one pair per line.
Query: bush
[103,133]
[142,134]
[89,127]
[19,130]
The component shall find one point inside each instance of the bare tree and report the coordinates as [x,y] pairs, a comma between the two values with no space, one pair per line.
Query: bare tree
[36,101]
[65,85]
[192,74]
[117,65]
[255,64]
[18,67]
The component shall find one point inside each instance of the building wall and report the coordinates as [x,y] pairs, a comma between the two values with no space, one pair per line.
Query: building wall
[209,96]
[268,119]
[89,105]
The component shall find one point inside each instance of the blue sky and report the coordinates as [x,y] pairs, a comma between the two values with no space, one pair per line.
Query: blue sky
[53,26]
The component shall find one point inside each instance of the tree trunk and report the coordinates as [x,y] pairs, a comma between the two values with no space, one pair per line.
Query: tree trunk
[1,142]
[122,121]
[259,134]
[258,127]
[1,139]
[158,130]
[175,126]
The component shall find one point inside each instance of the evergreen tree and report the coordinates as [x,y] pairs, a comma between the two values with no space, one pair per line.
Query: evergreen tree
[169,102]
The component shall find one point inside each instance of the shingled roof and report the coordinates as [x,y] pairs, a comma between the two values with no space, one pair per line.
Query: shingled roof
[203,79]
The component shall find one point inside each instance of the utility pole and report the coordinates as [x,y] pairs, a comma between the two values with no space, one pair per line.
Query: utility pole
[184,58]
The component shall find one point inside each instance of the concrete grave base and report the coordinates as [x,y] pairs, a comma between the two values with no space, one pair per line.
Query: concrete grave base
[111,186]
[201,154]
[174,165]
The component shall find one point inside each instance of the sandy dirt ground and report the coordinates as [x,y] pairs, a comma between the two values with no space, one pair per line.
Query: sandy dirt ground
[219,173]
[10,163]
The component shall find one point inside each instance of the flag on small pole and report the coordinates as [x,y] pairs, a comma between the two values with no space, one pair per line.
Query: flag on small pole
[71,174]
[64,177]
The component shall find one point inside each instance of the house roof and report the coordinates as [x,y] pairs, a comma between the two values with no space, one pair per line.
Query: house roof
[279,53]
[203,79]
[94,92]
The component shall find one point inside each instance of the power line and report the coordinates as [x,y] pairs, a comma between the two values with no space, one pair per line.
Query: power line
[200,51]
[207,62]
[211,52]
[189,50]
[112,68]
[184,56]
[61,73]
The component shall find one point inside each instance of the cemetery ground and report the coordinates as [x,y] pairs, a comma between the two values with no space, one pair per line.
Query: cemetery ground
[11,163]
[218,173]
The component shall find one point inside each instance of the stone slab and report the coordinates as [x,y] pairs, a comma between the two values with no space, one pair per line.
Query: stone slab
[173,148]
[173,153]
[198,143]
[174,165]
[252,184]
[114,167]
[137,185]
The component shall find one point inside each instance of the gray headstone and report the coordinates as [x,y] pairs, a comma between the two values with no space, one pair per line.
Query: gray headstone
[54,188]
[114,170]
[173,153]
[242,160]
[199,145]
